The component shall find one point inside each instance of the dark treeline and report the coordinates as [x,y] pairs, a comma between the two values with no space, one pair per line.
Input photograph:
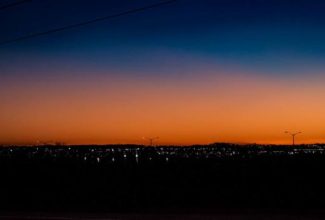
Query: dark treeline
[135,178]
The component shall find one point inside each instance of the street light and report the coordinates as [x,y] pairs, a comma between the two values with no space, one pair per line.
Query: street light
[293,136]
[151,140]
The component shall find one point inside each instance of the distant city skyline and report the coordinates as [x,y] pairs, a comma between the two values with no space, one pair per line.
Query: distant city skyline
[190,72]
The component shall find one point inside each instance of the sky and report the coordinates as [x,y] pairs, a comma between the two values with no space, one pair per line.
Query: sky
[190,72]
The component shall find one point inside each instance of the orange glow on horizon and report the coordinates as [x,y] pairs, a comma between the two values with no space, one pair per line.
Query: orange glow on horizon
[241,108]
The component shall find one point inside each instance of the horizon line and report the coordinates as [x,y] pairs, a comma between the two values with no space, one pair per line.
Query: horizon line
[155,145]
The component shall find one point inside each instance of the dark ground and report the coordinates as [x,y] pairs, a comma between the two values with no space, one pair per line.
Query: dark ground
[228,216]
[259,187]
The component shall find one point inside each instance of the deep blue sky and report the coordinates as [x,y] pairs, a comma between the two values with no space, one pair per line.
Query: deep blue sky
[275,35]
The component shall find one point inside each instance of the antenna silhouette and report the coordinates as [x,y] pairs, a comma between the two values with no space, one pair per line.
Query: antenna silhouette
[151,140]
[293,136]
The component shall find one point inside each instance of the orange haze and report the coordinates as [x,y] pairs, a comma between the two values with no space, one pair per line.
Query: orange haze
[188,110]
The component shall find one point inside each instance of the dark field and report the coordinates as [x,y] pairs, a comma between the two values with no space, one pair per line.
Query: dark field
[200,182]
[225,216]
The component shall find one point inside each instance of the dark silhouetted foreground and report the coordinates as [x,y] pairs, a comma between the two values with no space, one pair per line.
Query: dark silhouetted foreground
[130,178]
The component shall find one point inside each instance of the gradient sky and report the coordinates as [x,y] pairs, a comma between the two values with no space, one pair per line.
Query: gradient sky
[194,71]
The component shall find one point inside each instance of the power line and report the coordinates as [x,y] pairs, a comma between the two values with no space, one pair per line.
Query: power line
[131,11]
[13,4]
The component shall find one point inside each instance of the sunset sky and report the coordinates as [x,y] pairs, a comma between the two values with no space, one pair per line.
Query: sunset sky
[192,71]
